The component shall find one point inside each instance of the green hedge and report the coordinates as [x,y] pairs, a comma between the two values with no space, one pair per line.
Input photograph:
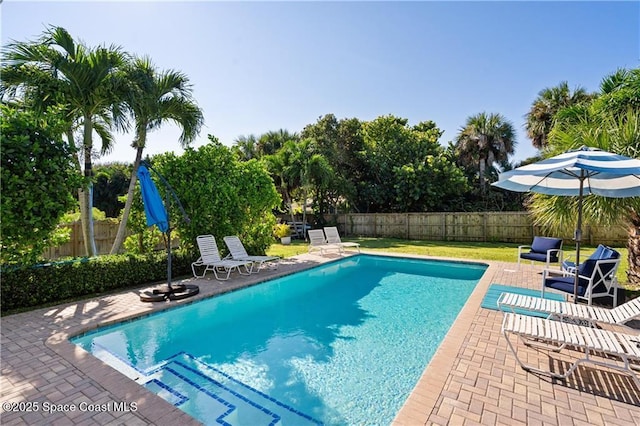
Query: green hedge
[29,286]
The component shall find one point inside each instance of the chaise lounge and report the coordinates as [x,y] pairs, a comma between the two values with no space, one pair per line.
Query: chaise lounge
[333,237]
[563,311]
[318,242]
[556,335]
[238,252]
[210,259]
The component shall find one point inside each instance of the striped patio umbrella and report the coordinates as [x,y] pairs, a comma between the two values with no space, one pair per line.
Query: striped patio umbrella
[578,173]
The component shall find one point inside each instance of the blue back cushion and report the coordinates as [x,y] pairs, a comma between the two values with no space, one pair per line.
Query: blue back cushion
[542,244]
[598,253]
[605,253]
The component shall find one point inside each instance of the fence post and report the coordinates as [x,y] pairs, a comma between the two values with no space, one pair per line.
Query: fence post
[484,227]
[407,226]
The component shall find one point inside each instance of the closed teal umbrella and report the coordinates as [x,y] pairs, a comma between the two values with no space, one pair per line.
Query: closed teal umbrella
[154,207]
[157,214]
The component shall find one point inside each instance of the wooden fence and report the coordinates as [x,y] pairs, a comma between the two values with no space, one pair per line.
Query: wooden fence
[511,227]
[104,232]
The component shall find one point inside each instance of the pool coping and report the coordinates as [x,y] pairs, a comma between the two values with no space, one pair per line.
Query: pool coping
[420,404]
[416,408]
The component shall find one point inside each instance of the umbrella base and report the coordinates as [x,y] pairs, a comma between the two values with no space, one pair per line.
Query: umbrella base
[163,292]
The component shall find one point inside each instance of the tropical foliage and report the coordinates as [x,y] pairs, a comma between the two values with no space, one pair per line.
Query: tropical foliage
[485,139]
[220,194]
[111,182]
[37,177]
[542,115]
[85,81]
[604,123]
[154,98]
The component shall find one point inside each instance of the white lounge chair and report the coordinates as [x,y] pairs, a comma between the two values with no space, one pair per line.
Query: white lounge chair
[318,242]
[210,259]
[557,335]
[556,309]
[238,252]
[333,237]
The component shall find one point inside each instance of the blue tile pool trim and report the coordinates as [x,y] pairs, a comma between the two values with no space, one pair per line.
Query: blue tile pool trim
[276,418]
[181,398]
[163,366]
[231,407]
[278,403]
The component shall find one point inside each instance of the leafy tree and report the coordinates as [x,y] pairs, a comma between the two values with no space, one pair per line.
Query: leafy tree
[38,178]
[86,81]
[484,140]
[153,99]
[541,116]
[340,142]
[406,169]
[221,195]
[111,182]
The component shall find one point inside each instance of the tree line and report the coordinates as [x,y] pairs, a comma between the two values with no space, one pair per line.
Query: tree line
[66,95]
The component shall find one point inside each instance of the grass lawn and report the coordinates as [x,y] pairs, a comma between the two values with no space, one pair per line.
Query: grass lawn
[504,252]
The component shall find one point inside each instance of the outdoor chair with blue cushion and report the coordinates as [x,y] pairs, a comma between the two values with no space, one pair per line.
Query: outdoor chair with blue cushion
[543,249]
[602,252]
[597,278]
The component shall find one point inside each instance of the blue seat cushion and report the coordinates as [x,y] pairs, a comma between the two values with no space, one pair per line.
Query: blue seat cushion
[540,257]
[566,284]
[539,249]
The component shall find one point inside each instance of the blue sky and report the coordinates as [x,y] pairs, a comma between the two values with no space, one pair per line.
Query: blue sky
[261,66]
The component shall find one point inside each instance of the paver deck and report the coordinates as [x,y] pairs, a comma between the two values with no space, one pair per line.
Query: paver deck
[472,378]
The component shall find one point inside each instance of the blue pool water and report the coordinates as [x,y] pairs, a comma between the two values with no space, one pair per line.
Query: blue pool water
[339,344]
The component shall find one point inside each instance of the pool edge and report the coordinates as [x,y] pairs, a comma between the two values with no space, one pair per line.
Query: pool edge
[156,409]
[422,400]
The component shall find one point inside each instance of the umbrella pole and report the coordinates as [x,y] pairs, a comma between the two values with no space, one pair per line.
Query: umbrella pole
[168,205]
[578,238]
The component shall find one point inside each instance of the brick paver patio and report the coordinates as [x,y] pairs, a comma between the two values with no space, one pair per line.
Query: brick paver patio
[472,379]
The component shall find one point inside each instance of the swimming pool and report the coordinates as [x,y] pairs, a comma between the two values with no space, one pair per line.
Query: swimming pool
[342,343]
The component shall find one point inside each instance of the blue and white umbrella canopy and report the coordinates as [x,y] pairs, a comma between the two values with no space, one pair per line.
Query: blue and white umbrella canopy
[581,172]
[153,205]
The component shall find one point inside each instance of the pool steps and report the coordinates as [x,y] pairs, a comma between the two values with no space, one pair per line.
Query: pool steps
[182,380]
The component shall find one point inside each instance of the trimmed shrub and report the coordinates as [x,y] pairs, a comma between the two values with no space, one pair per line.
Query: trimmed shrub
[30,286]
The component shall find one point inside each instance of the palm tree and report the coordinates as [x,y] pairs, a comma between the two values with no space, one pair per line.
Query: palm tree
[541,116]
[86,82]
[485,139]
[611,121]
[246,147]
[155,98]
[270,142]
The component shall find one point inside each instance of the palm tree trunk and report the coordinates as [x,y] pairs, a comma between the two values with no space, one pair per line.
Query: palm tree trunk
[481,170]
[633,244]
[86,194]
[122,229]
